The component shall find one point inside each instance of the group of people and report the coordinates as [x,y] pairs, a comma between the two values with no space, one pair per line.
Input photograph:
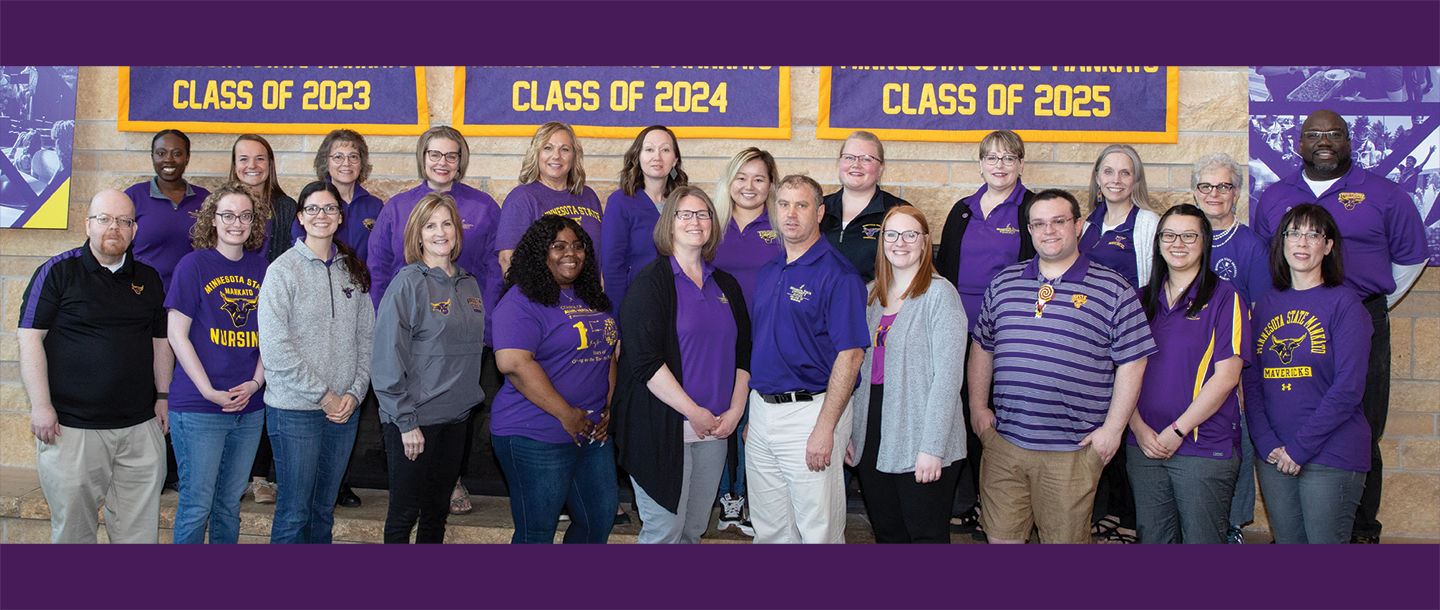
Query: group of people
[741,347]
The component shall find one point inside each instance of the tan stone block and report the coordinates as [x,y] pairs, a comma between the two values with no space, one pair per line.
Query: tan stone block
[84,186]
[100,135]
[602,189]
[17,445]
[477,535]
[209,164]
[389,187]
[95,93]
[359,530]
[500,187]
[14,293]
[494,145]
[1409,424]
[385,144]
[1214,99]
[33,505]
[209,182]
[1039,176]
[1429,281]
[10,506]
[1390,451]
[1408,505]
[1418,304]
[1401,354]
[20,266]
[1160,201]
[13,399]
[824,171]
[440,93]
[705,169]
[602,168]
[81,161]
[1420,454]
[9,349]
[1189,148]
[907,172]
[935,201]
[804,96]
[491,166]
[383,165]
[1415,396]
[26,531]
[1427,347]
[128,162]
[10,372]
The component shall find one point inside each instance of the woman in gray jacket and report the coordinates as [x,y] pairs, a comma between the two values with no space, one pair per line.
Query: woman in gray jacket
[909,435]
[429,338]
[315,335]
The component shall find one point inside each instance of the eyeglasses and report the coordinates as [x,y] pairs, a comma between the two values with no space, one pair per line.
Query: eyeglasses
[999,159]
[229,218]
[908,236]
[329,210]
[560,247]
[1224,188]
[1059,223]
[1312,237]
[1333,136]
[435,155]
[105,220]
[865,160]
[689,214]
[1185,238]
[352,158]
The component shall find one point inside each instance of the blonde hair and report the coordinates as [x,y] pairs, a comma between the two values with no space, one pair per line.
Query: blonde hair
[414,251]
[724,207]
[530,167]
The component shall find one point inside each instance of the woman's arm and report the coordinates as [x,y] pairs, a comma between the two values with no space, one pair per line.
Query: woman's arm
[1211,397]
[665,387]
[277,336]
[392,357]
[1350,338]
[946,319]
[739,399]
[615,238]
[178,331]
[520,367]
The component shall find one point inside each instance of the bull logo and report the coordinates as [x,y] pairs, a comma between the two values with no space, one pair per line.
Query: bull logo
[767,235]
[1350,200]
[369,224]
[238,308]
[1286,348]
[349,292]
[442,307]
[871,231]
[137,288]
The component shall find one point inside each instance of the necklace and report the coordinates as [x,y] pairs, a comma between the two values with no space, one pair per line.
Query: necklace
[1224,236]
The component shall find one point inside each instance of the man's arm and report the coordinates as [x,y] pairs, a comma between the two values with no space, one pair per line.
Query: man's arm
[164,370]
[1122,404]
[981,373]
[837,397]
[35,373]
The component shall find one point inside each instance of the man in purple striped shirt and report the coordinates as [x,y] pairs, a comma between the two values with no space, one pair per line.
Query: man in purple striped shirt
[1065,342]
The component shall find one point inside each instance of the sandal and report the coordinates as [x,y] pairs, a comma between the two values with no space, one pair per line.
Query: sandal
[967,522]
[1116,536]
[460,505]
[1107,525]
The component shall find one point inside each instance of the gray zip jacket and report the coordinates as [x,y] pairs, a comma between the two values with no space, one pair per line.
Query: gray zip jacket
[429,338]
[924,368]
[315,330]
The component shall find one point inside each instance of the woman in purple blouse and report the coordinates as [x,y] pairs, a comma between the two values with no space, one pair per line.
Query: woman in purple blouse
[653,168]
[552,182]
[166,205]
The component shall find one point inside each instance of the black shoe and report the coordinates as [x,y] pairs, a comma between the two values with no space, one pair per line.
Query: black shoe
[1364,540]
[347,498]
[622,519]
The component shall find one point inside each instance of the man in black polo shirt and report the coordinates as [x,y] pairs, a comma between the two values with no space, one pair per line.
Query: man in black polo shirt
[92,355]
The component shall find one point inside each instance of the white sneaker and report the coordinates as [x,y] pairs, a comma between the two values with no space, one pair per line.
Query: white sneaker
[734,513]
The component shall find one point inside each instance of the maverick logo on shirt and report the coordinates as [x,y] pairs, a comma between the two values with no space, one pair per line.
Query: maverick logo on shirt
[238,308]
[474,303]
[442,307]
[1118,242]
[800,294]
[1350,200]
[1008,230]
[1284,335]
[369,224]
[767,235]
[238,298]
[137,288]
[871,231]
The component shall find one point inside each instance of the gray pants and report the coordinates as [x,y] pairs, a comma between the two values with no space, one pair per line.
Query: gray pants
[1181,499]
[1315,507]
[704,462]
[123,469]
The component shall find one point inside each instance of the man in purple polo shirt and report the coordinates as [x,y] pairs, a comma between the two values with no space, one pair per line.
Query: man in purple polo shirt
[809,338]
[1384,249]
[1065,342]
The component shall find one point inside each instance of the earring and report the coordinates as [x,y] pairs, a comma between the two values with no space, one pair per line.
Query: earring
[674,172]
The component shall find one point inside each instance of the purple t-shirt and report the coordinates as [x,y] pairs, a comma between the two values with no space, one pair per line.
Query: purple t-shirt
[743,251]
[877,364]
[528,202]
[572,343]
[1113,249]
[1311,352]
[163,234]
[1379,224]
[707,332]
[629,236]
[1240,257]
[479,215]
[1189,348]
[988,247]
[219,296]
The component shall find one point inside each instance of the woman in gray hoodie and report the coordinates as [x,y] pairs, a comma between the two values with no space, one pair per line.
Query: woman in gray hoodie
[429,339]
[316,324]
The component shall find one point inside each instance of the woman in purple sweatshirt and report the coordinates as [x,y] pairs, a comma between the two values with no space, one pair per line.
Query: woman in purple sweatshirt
[1312,340]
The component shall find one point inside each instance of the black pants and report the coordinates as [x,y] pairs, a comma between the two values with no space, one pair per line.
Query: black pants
[901,510]
[1115,486]
[1376,403]
[420,488]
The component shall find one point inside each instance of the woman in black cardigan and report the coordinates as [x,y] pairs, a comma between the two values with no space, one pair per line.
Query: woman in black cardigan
[684,373]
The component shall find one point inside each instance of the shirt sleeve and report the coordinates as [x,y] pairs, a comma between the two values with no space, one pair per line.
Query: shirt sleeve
[42,298]
[615,260]
[184,293]
[515,217]
[984,332]
[1132,340]
[277,347]
[1404,229]
[522,328]
[391,355]
[1350,333]
[1232,329]
[364,342]
[382,253]
[1257,271]
[845,313]
[1260,222]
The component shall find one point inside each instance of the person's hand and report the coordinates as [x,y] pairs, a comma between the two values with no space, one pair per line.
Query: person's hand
[414,442]
[162,415]
[981,418]
[927,468]
[43,423]
[575,424]
[239,396]
[330,402]
[1106,442]
[1170,441]
[817,449]
[345,410]
[1284,464]
[703,421]
[601,431]
[849,454]
[727,422]
[221,399]
[1149,442]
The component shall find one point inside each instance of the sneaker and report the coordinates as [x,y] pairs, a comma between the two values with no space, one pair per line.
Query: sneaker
[1364,540]
[1235,535]
[564,515]
[732,509]
[264,492]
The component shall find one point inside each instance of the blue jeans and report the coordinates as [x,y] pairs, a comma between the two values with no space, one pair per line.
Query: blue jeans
[543,477]
[732,478]
[1181,499]
[1315,507]
[215,452]
[1242,506]
[311,454]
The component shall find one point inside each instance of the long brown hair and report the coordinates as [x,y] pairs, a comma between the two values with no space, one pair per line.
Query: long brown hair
[632,177]
[268,192]
[885,275]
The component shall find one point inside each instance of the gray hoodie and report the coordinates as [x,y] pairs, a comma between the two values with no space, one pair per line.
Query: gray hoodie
[315,330]
[429,337]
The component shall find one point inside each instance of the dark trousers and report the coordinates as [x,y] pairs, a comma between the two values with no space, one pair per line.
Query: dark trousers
[1115,489]
[1376,403]
[901,510]
[420,488]
[264,465]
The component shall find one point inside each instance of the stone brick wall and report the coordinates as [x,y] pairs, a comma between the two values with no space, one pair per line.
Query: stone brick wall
[1213,115]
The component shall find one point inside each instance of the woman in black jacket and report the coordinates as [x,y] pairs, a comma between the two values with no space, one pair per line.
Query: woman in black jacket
[684,373]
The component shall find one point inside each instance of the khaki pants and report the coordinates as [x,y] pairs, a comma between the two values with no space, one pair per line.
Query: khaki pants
[123,469]
[788,502]
[1051,490]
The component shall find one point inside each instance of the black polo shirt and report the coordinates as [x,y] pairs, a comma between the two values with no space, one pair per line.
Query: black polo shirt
[98,349]
[859,240]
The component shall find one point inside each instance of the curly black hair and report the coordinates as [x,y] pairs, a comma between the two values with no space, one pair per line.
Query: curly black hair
[530,271]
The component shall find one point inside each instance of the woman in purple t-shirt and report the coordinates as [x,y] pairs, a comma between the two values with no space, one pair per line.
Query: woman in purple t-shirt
[552,182]
[1184,437]
[217,409]
[549,422]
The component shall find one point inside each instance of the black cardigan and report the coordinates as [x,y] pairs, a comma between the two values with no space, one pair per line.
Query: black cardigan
[649,434]
[947,256]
